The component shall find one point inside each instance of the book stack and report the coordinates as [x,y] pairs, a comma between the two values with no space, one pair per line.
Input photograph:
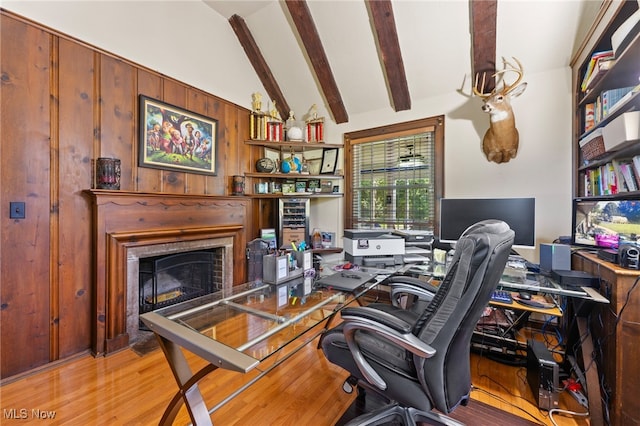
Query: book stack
[612,99]
[598,66]
[607,102]
[614,177]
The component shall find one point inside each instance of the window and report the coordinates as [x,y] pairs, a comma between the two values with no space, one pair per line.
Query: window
[396,175]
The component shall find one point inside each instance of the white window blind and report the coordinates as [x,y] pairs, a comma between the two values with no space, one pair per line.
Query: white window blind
[393,183]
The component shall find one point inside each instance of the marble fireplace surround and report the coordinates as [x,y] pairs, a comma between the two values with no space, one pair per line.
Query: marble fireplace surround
[131,225]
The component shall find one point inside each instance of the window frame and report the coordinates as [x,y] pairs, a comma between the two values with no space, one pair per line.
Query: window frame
[435,124]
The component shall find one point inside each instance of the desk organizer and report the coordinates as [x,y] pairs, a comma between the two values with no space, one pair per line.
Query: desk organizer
[276,269]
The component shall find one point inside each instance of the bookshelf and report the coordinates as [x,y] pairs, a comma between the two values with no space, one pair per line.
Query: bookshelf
[605,106]
[613,330]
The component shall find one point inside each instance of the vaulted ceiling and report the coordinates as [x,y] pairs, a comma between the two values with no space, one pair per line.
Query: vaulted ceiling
[356,56]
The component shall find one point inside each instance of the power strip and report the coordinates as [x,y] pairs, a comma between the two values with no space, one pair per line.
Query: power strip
[577,395]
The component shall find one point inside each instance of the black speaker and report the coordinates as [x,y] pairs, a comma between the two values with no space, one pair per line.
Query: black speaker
[629,256]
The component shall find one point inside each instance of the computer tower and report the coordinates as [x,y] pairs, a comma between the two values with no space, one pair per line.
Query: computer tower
[542,375]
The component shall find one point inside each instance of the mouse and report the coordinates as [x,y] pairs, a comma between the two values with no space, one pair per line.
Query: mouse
[524,295]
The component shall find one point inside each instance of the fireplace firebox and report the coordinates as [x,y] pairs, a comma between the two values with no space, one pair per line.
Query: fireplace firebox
[173,278]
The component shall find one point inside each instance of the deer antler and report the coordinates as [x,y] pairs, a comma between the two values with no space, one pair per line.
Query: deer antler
[484,80]
[508,66]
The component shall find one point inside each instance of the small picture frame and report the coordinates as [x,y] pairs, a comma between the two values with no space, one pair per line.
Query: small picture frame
[329,161]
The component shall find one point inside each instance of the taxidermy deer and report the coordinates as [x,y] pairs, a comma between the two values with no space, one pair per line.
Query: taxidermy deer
[500,142]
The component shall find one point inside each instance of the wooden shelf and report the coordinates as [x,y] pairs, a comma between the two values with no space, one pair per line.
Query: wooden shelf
[296,146]
[290,176]
[298,195]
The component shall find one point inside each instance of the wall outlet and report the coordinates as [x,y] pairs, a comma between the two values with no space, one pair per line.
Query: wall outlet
[17,210]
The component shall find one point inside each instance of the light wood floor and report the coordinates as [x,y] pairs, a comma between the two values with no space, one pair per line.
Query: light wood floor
[128,389]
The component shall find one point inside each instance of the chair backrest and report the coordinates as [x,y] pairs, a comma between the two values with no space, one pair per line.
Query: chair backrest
[448,322]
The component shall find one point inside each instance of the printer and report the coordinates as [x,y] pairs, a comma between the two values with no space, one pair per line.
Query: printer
[373,247]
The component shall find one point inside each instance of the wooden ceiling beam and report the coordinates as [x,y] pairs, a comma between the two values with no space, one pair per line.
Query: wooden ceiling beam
[483,21]
[259,65]
[389,51]
[308,33]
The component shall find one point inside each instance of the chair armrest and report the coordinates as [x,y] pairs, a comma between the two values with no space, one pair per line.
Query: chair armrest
[380,317]
[401,285]
[385,326]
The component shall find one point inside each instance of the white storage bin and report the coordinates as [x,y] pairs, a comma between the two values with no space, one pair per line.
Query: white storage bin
[621,131]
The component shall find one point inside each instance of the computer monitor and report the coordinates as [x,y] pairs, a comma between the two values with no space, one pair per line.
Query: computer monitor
[603,223]
[457,214]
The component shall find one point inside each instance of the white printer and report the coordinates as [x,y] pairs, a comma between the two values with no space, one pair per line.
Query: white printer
[373,247]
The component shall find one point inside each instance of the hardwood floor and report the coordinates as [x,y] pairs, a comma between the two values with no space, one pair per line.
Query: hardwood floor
[128,389]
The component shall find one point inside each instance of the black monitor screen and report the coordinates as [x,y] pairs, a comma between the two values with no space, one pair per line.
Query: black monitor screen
[457,214]
[605,223]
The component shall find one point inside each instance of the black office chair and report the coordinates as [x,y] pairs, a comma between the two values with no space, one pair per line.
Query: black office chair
[419,361]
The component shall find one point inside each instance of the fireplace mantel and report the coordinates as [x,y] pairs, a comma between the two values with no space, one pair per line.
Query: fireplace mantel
[125,219]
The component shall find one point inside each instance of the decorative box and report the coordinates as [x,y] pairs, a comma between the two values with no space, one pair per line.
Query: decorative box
[288,187]
[326,186]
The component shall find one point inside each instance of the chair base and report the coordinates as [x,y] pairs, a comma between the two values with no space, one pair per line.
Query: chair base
[395,414]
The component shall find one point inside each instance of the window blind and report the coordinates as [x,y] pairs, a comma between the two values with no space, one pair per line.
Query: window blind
[393,182]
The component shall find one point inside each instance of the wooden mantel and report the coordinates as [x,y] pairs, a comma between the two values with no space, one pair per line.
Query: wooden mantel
[124,219]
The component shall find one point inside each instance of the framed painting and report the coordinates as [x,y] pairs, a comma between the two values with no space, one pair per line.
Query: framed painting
[172,138]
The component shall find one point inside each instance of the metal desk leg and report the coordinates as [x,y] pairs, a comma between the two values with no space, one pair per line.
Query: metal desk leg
[189,393]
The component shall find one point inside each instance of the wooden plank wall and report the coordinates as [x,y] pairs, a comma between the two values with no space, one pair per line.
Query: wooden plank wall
[64,104]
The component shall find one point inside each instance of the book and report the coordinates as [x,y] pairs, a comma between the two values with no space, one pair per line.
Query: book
[615,104]
[626,168]
[589,116]
[600,68]
[621,184]
[610,182]
[636,167]
[592,64]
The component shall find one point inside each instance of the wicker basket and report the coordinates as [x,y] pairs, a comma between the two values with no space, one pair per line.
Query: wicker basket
[592,147]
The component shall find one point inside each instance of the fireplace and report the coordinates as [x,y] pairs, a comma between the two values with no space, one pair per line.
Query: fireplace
[138,285]
[133,226]
[170,279]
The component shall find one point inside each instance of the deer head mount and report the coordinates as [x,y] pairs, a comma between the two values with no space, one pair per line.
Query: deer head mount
[500,142]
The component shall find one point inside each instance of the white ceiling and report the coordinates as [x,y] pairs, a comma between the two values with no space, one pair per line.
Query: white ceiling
[434,37]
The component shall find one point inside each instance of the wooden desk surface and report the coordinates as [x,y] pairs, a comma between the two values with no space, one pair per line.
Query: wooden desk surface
[554,311]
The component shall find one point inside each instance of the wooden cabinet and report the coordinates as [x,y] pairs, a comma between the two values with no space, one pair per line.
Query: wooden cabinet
[594,109]
[616,336]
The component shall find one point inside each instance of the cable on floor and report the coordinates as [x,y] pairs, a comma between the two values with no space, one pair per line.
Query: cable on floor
[566,412]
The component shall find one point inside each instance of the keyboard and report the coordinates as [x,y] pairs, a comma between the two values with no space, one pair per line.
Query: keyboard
[502,296]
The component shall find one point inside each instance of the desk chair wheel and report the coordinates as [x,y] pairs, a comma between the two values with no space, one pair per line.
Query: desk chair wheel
[349,384]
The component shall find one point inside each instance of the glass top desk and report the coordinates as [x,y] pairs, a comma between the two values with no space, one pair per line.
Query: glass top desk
[238,330]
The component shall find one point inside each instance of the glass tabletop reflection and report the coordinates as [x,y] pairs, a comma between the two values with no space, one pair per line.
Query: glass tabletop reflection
[255,319]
